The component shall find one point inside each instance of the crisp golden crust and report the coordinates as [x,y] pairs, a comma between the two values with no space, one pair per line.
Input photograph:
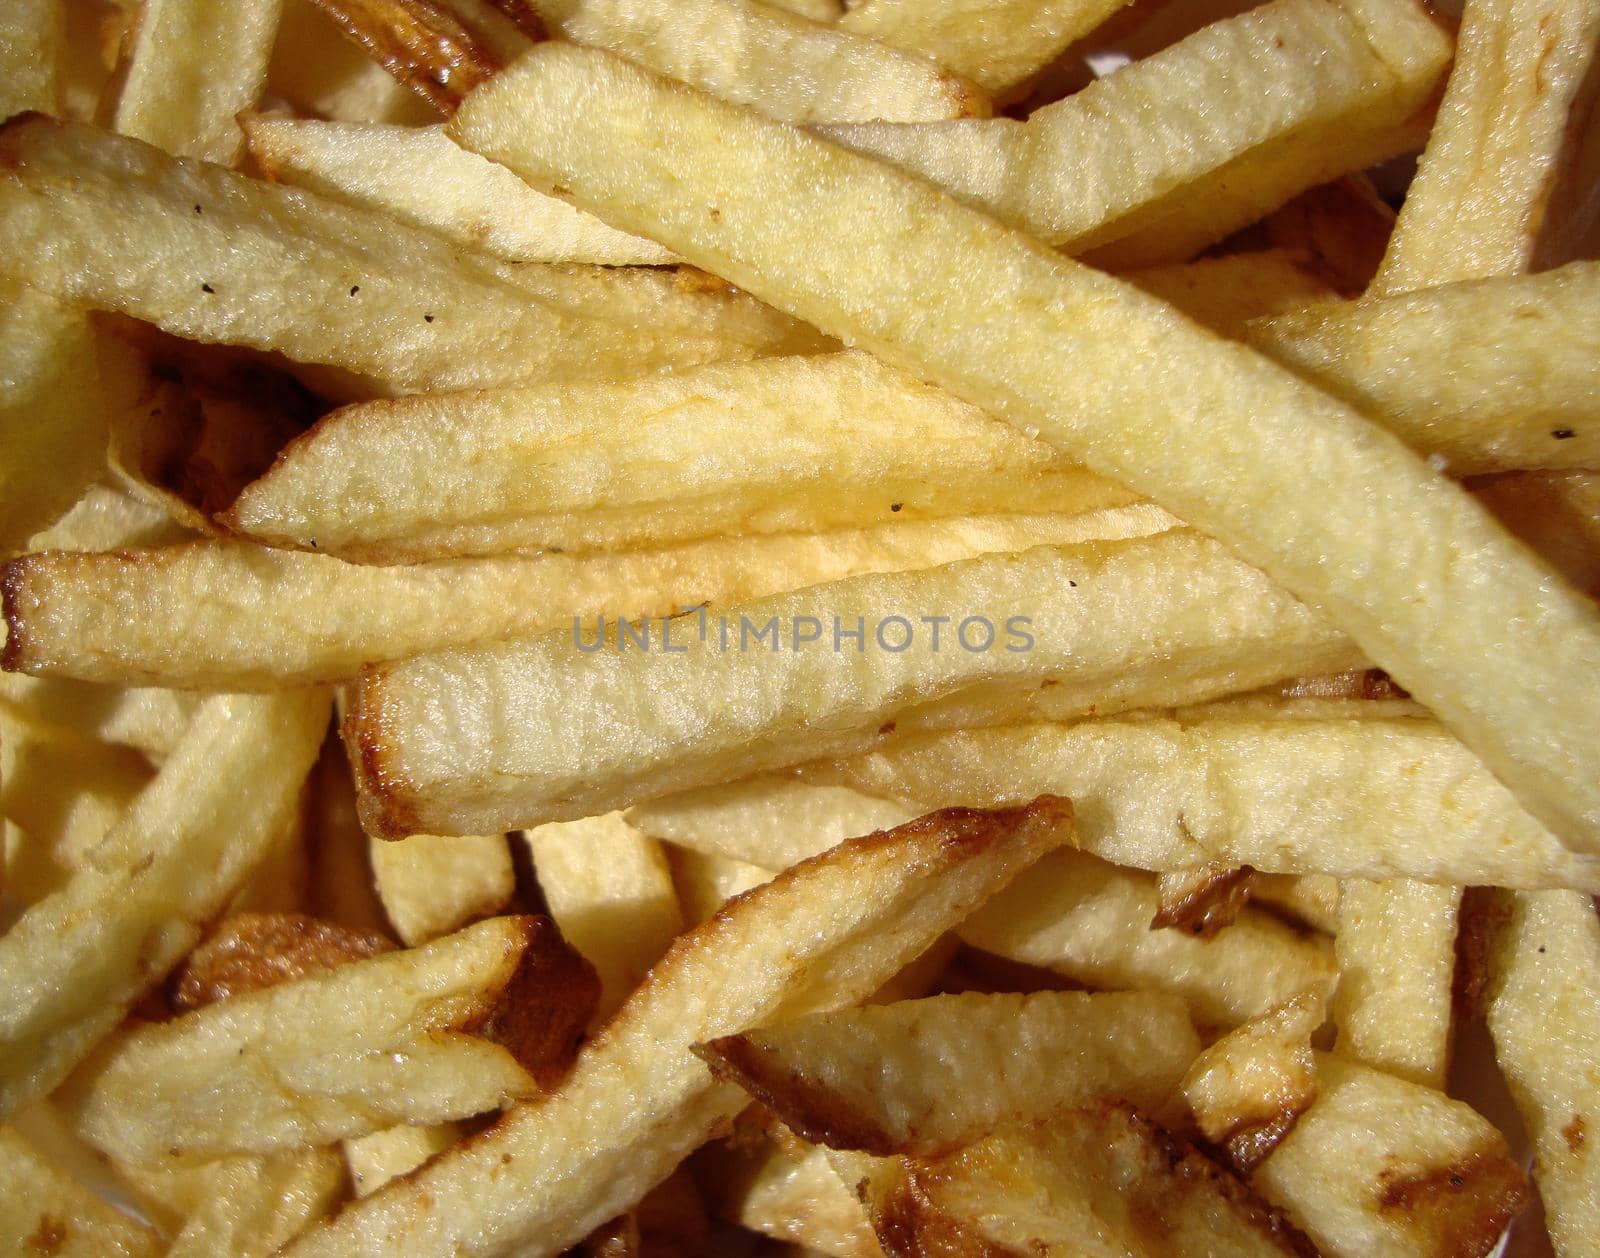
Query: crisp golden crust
[422,44]
[1463,1207]
[541,1012]
[1203,902]
[250,951]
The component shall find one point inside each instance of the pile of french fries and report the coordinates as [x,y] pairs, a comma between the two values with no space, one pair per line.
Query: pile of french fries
[923,628]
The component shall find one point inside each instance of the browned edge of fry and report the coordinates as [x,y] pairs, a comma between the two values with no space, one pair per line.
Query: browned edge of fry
[420,42]
[247,952]
[383,813]
[1211,899]
[1463,1207]
[525,16]
[1248,1145]
[542,1011]
[16,598]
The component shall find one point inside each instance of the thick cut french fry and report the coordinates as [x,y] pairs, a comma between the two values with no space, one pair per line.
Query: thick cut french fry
[1177,150]
[790,1196]
[251,951]
[652,461]
[30,54]
[193,69]
[538,730]
[1543,1008]
[1226,293]
[610,890]
[822,935]
[1249,1088]
[998,46]
[897,1078]
[146,719]
[107,517]
[1396,950]
[431,886]
[418,176]
[77,960]
[1090,921]
[324,75]
[1378,1166]
[1500,187]
[233,615]
[783,65]
[1037,1191]
[110,222]
[1412,567]
[384,1155]
[45,1211]
[455,1028]
[1488,376]
[705,883]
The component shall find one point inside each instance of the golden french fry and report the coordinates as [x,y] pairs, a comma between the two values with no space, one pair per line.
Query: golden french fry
[1396,950]
[192,70]
[76,961]
[278,269]
[1309,898]
[819,936]
[1500,186]
[107,517]
[541,730]
[44,1210]
[903,1077]
[324,75]
[781,64]
[457,1027]
[1380,1166]
[1249,1088]
[384,1155]
[30,50]
[251,951]
[1225,293]
[790,1196]
[1488,640]
[1090,921]
[416,175]
[610,890]
[1175,151]
[705,883]
[431,886]
[424,44]
[1201,901]
[230,614]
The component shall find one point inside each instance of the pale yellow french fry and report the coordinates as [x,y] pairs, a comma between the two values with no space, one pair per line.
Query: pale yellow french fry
[998,46]
[820,936]
[1499,175]
[792,1196]
[458,1027]
[811,10]
[540,730]
[192,70]
[76,961]
[418,176]
[897,1078]
[106,517]
[233,615]
[705,883]
[1226,293]
[610,890]
[44,1210]
[652,461]
[109,222]
[1486,376]
[1396,950]
[784,65]
[1543,1007]
[1378,1166]
[321,73]
[1430,587]
[384,1155]
[431,886]
[1177,150]
[30,53]
[1309,898]
[150,720]
[1090,921]
[250,951]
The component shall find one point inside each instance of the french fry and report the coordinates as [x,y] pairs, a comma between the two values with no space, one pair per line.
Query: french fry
[431,886]
[819,936]
[1112,625]
[791,1196]
[1343,226]
[249,952]
[1225,293]
[192,70]
[597,465]
[106,517]
[455,1028]
[1396,950]
[418,176]
[609,889]
[30,51]
[1518,368]
[1103,1171]
[263,619]
[1489,641]
[342,887]
[785,66]
[1380,1166]
[110,222]
[1200,901]
[1500,185]
[1179,149]
[76,961]
[1090,921]
[145,719]
[44,1210]
[998,46]
[894,1078]
[1249,1088]
[384,1155]
[705,883]
[1543,1000]
[322,74]
[1309,898]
